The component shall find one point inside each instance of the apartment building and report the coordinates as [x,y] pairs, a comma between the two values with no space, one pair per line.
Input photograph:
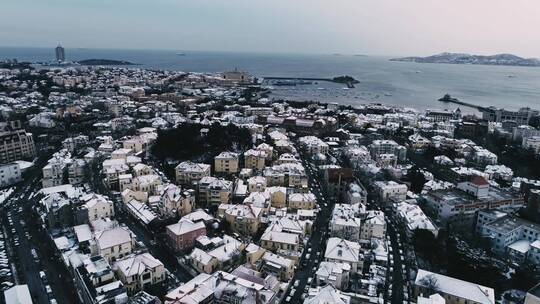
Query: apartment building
[16,145]
[184,233]
[188,173]
[454,291]
[226,162]
[214,191]
[255,159]
[10,174]
[138,272]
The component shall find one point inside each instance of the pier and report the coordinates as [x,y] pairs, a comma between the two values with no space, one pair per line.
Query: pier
[350,84]
[463,103]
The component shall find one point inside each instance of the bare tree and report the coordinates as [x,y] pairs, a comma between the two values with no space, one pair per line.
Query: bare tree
[430,283]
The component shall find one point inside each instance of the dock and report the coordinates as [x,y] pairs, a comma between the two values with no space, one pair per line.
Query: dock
[349,84]
[466,104]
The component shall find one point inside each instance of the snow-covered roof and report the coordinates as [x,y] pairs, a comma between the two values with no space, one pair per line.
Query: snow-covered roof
[459,288]
[185,226]
[342,250]
[136,265]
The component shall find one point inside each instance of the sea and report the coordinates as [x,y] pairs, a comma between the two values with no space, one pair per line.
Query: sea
[404,84]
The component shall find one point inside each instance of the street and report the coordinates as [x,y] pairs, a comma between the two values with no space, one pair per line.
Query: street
[317,241]
[31,245]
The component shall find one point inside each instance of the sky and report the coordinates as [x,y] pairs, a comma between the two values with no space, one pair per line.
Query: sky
[373,27]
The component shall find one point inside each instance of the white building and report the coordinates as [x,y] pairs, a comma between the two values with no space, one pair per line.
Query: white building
[190,172]
[326,294]
[19,294]
[115,243]
[345,222]
[138,272]
[413,218]
[343,251]
[214,190]
[532,143]
[336,274]
[373,225]
[10,174]
[388,190]
[453,290]
[313,145]
[381,147]
[97,206]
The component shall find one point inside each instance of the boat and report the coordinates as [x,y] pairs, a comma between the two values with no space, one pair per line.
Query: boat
[180,54]
[448,98]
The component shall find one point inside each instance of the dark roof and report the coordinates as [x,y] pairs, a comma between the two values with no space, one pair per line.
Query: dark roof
[479,181]
[346,175]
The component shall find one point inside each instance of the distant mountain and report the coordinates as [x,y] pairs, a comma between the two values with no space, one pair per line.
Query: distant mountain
[457,58]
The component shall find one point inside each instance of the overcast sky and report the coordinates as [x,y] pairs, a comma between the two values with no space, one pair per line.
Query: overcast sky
[383,27]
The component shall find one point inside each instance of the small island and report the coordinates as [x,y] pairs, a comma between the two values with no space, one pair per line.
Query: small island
[104,62]
[345,79]
[458,58]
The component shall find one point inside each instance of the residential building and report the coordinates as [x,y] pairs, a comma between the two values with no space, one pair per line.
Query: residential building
[327,294]
[243,219]
[278,240]
[313,145]
[520,117]
[390,190]
[356,194]
[95,206]
[373,225]
[413,218]
[10,174]
[215,253]
[345,222]
[221,287]
[278,196]
[188,173]
[256,184]
[458,208]
[214,191]
[281,267]
[184,233]
[343,251]
[382,147]
[453,290]
[138,272]
[96,283]
[532,143]
[115,243]
[336,274]
[255,159]
[175,201]
[18,294]
[302,201]
[226,162]
[16,145]
[509,235]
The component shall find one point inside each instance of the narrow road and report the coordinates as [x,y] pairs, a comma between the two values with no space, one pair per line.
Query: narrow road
[317,241]
[32,248]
